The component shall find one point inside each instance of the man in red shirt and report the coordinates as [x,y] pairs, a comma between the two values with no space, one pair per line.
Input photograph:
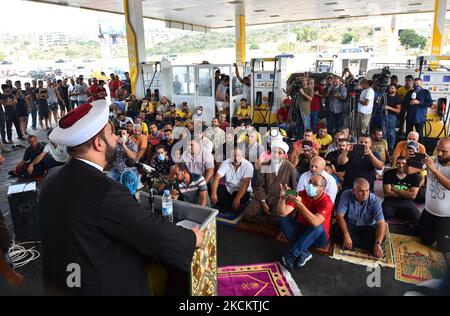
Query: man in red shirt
[114,85]
[319,94]
[101,91]
[223,122]
[283,116]
[311,227]
[93,90]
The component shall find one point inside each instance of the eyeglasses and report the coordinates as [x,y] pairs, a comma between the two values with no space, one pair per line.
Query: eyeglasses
[315,184]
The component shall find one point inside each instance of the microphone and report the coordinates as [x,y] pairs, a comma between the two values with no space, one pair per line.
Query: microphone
[131,163]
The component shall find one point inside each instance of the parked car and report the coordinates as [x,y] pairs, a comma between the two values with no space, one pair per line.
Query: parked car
[328,54]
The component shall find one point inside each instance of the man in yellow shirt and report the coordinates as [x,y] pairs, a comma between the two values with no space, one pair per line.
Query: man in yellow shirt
[144,126]
[185,112]
[324,140]
[244,114]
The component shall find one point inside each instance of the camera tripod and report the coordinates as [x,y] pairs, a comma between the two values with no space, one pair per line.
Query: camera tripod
[352,116]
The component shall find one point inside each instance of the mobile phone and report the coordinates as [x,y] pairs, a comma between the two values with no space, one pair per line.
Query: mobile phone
[359,149]
[291,193]
[417,161]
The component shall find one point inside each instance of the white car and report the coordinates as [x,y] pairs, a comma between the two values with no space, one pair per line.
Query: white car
[328,54]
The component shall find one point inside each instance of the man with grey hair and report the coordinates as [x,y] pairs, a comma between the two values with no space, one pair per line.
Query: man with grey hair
[318,167]
[360,219]
[278,170]
[310,226]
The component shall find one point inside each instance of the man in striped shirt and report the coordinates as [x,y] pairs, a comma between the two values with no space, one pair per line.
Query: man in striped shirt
[190,187]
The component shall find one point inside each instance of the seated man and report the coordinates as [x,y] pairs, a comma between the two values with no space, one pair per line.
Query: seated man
[123,120]
[435,220]
[303,160]
[307,136]
[162,163]
[267,188]
[402,147]
[333,156]
[400,190]
[216,135]
[52,156]
[334,146]
[235,193]
[318,165]
[198,160]
[360,163]
[253,150]
[185,112]
[244,114]
[125,149]
[360,220]
[141,141]
[189,187]
[310,227]
[380,146]
[324,140]
[21,170]
[154,140]
[223,122]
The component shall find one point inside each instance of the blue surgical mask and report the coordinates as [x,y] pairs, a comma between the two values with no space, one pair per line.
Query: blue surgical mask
[161,157]
[417,88]
[311,190]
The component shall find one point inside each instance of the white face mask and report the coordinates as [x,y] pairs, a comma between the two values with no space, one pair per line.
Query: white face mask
[199,113]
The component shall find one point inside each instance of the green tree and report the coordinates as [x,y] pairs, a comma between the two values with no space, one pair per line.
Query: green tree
[254,46]
[306,34]
[347,38]
[410,39]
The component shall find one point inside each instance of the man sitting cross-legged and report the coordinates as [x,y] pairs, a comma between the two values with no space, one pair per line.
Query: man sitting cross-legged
[360,219]
[311,226]
[400,190]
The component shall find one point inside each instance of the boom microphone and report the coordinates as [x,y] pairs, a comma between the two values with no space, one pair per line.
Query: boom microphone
[131,163]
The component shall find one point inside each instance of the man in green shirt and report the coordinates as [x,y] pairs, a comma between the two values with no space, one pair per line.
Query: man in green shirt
[306,94]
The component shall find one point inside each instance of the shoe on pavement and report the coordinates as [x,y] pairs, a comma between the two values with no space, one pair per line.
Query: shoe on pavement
[288,261]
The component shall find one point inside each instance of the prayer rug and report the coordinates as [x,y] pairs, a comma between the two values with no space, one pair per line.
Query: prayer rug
[416,263]
[362,257]
[263,280]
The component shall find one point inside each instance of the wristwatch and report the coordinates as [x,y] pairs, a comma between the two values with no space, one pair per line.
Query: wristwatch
[263,201]
[378,243]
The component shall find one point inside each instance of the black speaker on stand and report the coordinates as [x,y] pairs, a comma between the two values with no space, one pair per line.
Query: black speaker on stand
[23,204]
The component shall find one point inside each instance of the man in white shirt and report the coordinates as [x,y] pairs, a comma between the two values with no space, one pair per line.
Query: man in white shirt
[318,167]
[216,135]
[434,223]
[365,108]
[82,91]
[238,174]
[198,160]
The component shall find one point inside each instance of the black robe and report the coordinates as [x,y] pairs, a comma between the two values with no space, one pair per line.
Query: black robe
[89,220]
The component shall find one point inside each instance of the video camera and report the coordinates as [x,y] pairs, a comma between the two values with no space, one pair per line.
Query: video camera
[383,78]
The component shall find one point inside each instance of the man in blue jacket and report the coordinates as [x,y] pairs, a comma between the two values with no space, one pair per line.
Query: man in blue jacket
[416,103]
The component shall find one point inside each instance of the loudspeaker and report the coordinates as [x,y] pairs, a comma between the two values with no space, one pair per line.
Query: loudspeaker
[23,204]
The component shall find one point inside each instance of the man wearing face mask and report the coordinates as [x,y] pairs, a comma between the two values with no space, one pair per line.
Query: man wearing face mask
[264,206]
[235,193]
[360,220]
[318,167]
[435,220]
[198,116]
[103,229]
[416,103]
[311,226]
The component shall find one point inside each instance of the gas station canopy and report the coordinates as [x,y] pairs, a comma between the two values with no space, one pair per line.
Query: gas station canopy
[210,14]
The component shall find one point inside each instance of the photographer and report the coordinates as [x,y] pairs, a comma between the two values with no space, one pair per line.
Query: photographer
[125,149]
[359,161]
[337,96]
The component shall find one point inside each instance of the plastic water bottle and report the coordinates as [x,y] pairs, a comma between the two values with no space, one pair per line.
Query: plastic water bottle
[167,206]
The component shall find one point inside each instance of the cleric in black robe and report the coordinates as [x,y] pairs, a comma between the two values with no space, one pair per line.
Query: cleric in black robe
[91,222]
